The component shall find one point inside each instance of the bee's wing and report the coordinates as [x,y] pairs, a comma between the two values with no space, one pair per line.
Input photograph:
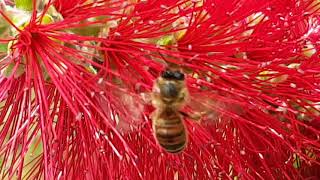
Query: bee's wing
[208,106]
[127,111]
[135,108]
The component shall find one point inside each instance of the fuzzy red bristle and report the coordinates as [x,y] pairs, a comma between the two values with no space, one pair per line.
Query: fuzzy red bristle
[79,98]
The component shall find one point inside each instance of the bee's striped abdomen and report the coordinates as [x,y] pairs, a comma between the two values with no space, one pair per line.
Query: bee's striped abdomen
[170,133]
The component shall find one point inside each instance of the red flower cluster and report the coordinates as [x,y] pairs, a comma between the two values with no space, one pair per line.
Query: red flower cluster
[74,77]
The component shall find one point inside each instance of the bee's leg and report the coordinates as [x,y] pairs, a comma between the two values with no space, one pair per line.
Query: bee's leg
[146,97]
[197,116]
[152,115]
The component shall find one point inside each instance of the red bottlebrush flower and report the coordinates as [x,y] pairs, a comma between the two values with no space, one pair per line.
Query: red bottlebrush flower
[75,79]
[67,8]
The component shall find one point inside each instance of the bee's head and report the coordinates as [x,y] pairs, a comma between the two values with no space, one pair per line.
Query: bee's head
[171,83]
[172,75]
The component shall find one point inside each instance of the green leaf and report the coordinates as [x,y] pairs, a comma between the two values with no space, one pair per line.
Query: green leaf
[166,40]
[8,71]
[3,47]
[296,161]
[24,4]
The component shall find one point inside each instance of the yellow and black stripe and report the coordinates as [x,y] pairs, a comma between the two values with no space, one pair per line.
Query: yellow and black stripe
[170,132]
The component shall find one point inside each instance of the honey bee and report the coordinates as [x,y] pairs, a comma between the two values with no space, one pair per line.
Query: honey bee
[168,97]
